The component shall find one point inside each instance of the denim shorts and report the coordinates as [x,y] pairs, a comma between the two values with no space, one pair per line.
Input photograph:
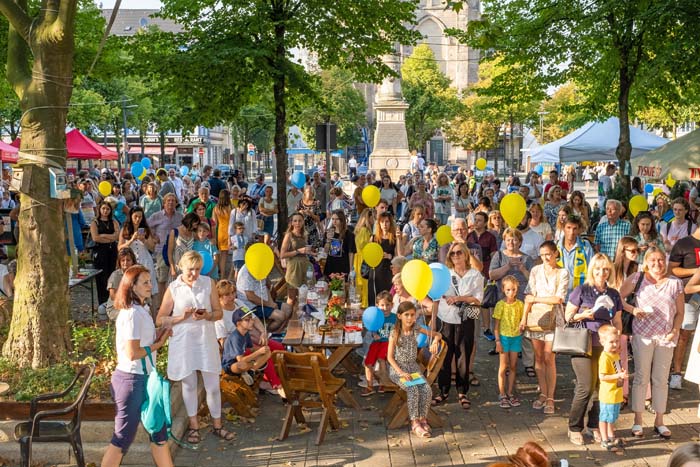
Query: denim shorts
[608,413]
[512,344]
[129,392]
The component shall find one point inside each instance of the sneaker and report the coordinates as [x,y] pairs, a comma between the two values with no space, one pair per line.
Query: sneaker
[247,378]
[676,380]
[489,335]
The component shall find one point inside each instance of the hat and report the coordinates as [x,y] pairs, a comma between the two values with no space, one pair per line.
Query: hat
[161,172]
[240,313]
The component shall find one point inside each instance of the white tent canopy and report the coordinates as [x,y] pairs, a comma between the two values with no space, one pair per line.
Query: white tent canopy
[596,141]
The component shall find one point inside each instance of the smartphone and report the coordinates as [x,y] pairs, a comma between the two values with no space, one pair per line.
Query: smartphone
[201,311]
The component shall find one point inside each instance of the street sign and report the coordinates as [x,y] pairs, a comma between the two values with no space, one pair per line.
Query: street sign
[251,153]
[251,147]
[201,151]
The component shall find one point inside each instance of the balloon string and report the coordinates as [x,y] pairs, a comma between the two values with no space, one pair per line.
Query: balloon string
[262,305]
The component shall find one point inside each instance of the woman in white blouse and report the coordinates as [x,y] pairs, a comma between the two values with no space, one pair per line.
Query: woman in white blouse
[466,288]
[135,334]
[191,306]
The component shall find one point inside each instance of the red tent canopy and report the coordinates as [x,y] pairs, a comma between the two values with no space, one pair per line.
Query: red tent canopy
[9,153]
[80,147]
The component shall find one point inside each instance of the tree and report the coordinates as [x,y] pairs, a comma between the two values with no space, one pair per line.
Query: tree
[563,113]
[335,100]
[40,70]
[607,48]
[229,49]
[432,102]
[503,96]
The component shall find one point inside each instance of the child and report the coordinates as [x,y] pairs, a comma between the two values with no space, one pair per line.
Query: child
[238,247]
[239,360]
[507,314]
[402,353]
[611,374]
[380,345]
[203,243]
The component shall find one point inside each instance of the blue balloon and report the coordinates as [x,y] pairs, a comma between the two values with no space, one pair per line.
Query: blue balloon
[184,170]
[208,263]
[539,169]
[422,340]
[441,280]
[373,319]
[648,188]
[299,179]
[137,169]
[146,163]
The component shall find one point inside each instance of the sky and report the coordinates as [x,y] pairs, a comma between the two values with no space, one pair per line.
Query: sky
[131,4]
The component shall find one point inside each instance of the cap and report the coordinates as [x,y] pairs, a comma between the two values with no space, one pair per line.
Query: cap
[240,313]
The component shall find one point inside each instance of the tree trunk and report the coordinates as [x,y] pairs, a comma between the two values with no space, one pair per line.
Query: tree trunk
[161,140]
[279,92]
[624,145]
[39,333]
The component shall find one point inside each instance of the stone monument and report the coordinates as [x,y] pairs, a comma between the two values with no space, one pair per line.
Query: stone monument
[390,139]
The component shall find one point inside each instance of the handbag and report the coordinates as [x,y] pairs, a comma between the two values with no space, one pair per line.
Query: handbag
[576,341]
[541,317]
[627,317]
[467,311]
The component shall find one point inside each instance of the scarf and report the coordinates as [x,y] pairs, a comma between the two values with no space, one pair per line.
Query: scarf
[580,262]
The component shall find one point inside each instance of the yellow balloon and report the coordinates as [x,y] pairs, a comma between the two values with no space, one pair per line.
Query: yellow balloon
[372,254]
[444,235]
[105,188]
[513,209]
[638,203]
[371,195]
[481,163]
[259,259]
[670,182]
[417,278]
[657,191]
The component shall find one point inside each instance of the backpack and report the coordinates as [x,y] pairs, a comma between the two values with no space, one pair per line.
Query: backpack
[165,248]
[155,410]
[687,219]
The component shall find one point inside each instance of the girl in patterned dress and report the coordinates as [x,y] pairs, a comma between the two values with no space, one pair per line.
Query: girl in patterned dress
[403,350]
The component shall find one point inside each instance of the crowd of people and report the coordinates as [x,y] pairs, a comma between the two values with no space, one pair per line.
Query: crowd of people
[581,265]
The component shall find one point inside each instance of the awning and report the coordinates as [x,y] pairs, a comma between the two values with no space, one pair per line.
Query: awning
[80,147]
[9,153]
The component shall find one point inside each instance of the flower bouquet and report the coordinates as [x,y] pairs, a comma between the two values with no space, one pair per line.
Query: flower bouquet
[335,313]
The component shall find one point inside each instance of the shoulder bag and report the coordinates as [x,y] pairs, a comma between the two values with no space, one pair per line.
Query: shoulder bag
[466,310]
[575,340]
[542,316]
[627,317]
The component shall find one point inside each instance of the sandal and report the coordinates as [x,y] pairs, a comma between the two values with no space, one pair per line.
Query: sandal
[439,400]
[192,436]
[223,434]
[637,431]
[473,380]
[419,431]
[609,445]
[539,403]
[530,372]
[368,391]
[548,408]
[662,431]
[464,402]
[426,427]
[514,401]
[576,438]
[503,402]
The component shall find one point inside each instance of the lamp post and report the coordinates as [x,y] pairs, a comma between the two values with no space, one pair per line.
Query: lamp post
[542,113]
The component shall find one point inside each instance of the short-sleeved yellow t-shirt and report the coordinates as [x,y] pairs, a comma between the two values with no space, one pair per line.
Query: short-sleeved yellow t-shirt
[609,392]
[509,315]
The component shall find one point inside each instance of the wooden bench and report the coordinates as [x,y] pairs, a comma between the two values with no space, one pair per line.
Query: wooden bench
[396,411]
[304,375]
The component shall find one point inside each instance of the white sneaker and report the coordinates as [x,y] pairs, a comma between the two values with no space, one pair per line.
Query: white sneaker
[676,381]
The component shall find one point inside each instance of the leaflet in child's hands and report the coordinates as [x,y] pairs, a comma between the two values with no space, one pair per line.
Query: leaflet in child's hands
[416,378]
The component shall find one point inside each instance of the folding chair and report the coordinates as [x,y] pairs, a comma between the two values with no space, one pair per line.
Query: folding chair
[304,375]
[397,410]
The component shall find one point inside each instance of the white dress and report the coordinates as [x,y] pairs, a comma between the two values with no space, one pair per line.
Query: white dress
[692,371]
[193,345]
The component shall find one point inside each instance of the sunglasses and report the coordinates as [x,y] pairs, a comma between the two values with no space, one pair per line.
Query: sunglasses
[456,253]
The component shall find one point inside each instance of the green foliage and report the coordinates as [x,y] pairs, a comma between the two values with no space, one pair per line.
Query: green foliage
[97,340]
[335,100]
[432,101]
[614,51]
[26,383]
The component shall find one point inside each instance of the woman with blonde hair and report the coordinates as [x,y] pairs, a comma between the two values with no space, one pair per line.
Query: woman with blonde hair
[553,204]
[191,307]
[295,251]
[496,226]
[538,222]
[222,215]
[563,214]
[390,239]
[579,206]
[444,194]
[582,309]
[363,234]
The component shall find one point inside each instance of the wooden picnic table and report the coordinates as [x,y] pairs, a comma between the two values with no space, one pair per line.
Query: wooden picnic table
[339,343]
